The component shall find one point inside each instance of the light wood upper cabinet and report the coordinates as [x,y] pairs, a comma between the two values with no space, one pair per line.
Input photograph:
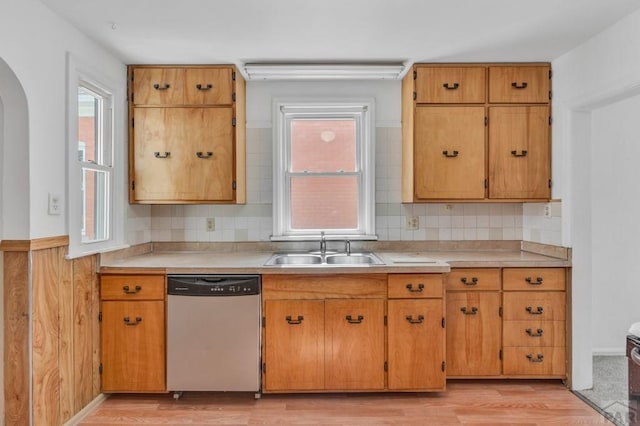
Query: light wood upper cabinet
[519,84]
[436,85]
[494,144]
[449,152]
[187,135]
[183,86]
[519,152]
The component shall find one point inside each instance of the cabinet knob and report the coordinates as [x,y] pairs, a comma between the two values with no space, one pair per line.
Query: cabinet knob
[522,85]
[412,320]
[537,333]
[127,321]
[522,153]
[453,154]
[420,288]
[159,155]
[474,281]
[538,311]
[127,289]
[294,321]
[203,87]
[164,87]
[538,280]
[352,320]
[201,154]
[453,86]
[537,358]
[472,311]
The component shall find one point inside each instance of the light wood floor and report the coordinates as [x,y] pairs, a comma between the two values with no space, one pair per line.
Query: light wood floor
[464,403]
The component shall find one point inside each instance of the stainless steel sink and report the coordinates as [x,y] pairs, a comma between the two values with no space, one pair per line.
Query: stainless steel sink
[324,259]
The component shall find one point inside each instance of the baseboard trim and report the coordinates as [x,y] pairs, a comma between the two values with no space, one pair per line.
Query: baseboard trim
[75,420]
[609,351]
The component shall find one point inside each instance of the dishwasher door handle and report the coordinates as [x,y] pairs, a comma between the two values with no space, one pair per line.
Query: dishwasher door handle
[635,355]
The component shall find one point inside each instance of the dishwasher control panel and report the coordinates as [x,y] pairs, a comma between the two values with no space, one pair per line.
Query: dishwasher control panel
[213,285]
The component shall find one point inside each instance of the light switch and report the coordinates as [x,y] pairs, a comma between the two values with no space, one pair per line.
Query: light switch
[55,204]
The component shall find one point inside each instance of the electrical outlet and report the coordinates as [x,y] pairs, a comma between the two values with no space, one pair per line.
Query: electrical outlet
[55,204]
[211,224]
[413,223]
[547,210]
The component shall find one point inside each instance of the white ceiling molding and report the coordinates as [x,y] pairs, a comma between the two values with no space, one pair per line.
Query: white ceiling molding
[258,71]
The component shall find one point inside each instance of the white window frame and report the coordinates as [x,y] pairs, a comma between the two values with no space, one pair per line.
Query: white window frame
[84,75]
[363,112]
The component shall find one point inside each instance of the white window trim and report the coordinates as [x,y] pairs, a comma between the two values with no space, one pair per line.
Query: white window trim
[78,73]
[284,110]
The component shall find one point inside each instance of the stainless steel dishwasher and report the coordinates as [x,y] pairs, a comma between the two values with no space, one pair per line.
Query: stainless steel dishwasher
[213,333]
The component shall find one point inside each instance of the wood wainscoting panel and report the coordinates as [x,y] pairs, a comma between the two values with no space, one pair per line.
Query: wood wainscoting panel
[66,342]
[16,338]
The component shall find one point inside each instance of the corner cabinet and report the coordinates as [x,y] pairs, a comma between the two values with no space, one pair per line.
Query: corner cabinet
[325,333]
[132,315]
[476,132]
[186,134]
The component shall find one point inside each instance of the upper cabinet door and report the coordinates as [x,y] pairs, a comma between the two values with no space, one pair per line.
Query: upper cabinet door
[158,86]
[519,84]
[208,86]
[444,85]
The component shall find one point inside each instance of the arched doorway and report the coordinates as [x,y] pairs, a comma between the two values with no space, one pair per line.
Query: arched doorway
[14,198]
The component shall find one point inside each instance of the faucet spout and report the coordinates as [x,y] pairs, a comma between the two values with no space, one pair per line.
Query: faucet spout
[347,246]
[323,243]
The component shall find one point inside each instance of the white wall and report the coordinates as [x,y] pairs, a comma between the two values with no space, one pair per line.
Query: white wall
[33,43]
[590,85]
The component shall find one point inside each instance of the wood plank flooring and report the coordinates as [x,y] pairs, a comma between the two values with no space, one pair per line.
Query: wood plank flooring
[526,403]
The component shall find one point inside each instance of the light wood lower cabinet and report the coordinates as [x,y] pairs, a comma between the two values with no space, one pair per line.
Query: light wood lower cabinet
[133,333]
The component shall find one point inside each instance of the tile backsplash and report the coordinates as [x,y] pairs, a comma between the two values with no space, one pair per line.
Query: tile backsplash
[436,222]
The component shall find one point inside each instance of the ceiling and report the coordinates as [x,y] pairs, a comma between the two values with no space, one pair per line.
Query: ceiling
[407,31]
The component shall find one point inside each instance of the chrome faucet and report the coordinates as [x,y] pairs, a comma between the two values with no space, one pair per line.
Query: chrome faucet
[347,246]
[323,243]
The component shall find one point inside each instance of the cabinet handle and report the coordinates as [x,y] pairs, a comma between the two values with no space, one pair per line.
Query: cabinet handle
[522,153]
[203,88]
[453,154]
[129,291]
[127,321]
[351,320]
[418,320]
[538,310]
[538,280]
[523,85]
[473,311]
[451,87]
[538,358]
[165,155]
[294,321]
[538,332]
[158,87]
[419,290]
[201,154]
[474,281]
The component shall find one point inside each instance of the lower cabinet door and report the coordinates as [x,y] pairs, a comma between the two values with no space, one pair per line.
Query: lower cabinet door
[416,341]
[133,346]
[354,344]
[294,345]
[473,333]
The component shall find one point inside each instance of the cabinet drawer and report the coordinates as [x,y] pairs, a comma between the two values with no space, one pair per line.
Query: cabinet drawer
[414,286]
[450,84]
[534,305]
[208,86]
[534,279]
[519,84]
[132,287]
[472,279]
[534,361]
[534,333]
[158,86]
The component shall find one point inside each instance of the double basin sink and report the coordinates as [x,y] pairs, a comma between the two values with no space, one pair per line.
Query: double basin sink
[324,259]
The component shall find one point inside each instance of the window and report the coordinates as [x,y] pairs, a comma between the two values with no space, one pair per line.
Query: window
[323,170]
[94,150]
[95,213]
